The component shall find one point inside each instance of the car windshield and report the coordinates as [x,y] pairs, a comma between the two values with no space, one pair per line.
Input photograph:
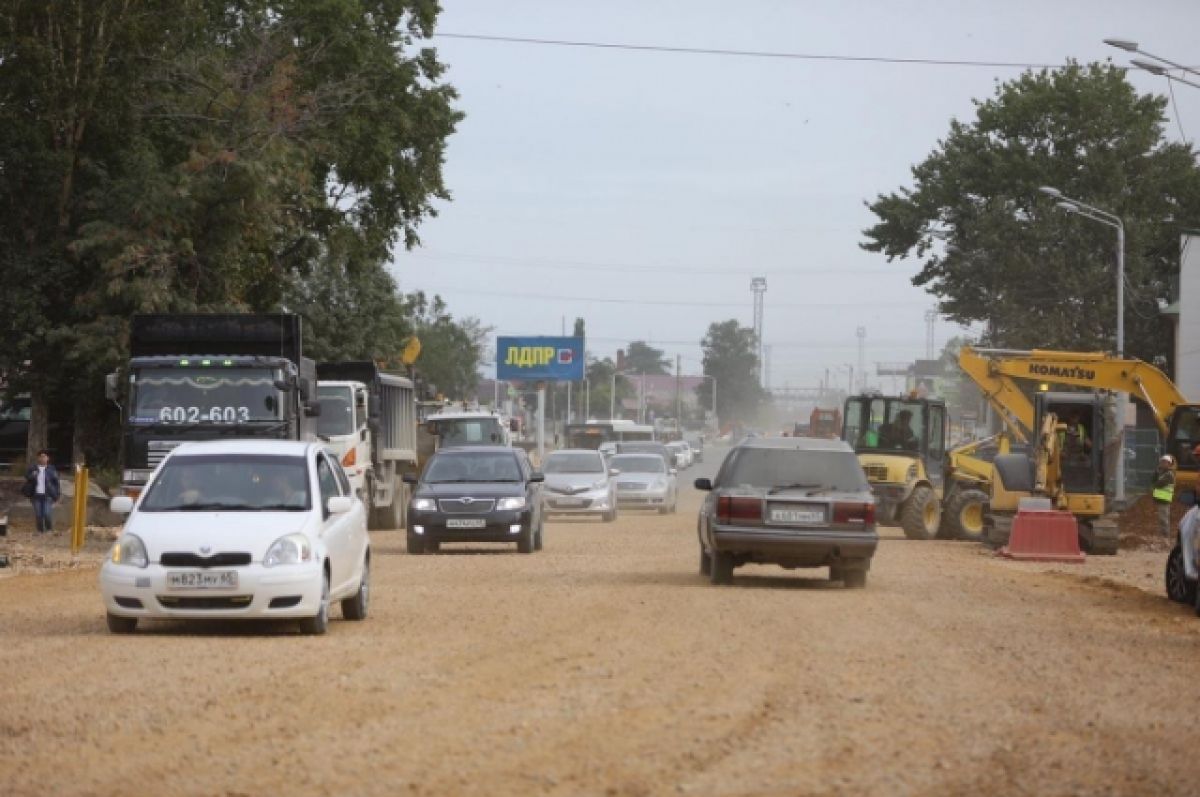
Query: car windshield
[469,431]
[229,482]
[765,467]
[639,463]
[472,467]
[572,462]
[337,410]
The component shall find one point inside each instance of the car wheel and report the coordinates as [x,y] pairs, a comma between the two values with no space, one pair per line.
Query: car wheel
[319,623]
[121,625]
[721,567]
[854,579]
[416,545]
[540,540]
[432,546]
[705,562]
[355,607]
[1179,589]
[525,540]
[611,514]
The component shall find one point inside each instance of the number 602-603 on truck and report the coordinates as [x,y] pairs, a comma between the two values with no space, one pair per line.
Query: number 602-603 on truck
[211,376]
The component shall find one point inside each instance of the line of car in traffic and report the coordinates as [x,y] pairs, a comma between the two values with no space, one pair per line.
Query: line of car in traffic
[273,529]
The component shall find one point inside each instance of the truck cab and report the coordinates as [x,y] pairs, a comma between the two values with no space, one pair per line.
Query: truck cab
[342,425]
[468,428]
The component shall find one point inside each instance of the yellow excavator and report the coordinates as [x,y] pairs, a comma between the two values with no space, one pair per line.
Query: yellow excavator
[1063,434]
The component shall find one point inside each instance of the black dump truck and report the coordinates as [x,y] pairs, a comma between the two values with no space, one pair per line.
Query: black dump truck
[211,377]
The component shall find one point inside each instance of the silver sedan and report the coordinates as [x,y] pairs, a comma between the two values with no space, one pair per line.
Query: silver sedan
[578,482]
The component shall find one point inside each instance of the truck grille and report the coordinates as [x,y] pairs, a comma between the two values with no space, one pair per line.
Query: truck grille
[876,473]
[467,506]
[157,450]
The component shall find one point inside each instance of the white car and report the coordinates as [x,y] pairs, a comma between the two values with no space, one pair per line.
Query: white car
[240,529]
[684,456]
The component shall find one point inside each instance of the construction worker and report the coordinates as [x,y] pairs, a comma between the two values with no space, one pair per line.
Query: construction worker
[1074,439]
[1164,492]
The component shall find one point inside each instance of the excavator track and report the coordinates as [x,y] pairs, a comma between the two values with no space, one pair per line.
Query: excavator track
[1101,536]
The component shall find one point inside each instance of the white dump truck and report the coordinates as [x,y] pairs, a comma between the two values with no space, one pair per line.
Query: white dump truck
[369,419]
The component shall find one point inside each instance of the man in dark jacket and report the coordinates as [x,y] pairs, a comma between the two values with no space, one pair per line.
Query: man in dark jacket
[42,489]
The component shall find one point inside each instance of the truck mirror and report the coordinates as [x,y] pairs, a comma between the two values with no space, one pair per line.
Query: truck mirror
[312,409]
[110,387]
[283,385]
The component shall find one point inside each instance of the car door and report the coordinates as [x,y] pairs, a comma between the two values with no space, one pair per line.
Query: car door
[356,521]
[334,528]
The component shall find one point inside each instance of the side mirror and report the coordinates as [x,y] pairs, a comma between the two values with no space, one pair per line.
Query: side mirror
[672,471]
[121,505]
[408,478]
[111,388]
[703,484]
[614,472]
[312,409]
[339,504]
[537,476]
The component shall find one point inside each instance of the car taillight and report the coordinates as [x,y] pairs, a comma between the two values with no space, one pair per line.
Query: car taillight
[350,458]
[854,513]
[732,509]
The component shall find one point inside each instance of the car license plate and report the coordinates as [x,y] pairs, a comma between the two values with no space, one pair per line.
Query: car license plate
[569,502]
[208,579]
[797,515]
[466,523]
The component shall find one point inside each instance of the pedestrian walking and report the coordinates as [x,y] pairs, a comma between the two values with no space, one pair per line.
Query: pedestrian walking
[1164,492]
[43,490]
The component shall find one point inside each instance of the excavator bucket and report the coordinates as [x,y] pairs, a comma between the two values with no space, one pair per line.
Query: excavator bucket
[1044,535]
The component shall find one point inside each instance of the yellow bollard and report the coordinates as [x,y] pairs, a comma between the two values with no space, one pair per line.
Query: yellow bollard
[79,524]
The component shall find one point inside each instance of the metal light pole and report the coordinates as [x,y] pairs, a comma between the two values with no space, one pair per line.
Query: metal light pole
[1154,69]
[1076,207]
[612,399]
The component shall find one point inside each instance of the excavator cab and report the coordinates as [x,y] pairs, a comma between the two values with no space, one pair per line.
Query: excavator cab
[901,445]
[1183,437]
[1080,439]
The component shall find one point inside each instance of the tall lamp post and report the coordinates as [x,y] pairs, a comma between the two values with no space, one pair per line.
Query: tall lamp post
[1152,68]
[1076,207]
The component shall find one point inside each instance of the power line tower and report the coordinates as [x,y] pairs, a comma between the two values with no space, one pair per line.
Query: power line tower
[930,322]
[758,286]
[862,358]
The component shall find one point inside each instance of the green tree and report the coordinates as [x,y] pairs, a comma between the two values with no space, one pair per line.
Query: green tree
[729,357]
[642,358]
[168,155]
[995,250]
[451,351]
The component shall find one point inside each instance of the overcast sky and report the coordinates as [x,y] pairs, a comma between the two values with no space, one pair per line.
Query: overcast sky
[643,190]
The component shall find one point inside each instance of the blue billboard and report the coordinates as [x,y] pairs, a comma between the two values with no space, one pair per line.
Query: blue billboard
[537,359]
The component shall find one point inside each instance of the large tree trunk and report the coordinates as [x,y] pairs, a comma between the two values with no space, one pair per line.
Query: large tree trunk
[39,424]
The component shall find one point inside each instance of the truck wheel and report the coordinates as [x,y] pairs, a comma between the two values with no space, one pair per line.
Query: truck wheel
[921,514]
[396,511]
[525,540]
[1179,589]
[962,516]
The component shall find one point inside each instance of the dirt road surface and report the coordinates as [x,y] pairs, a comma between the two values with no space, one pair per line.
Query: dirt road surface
[606,665]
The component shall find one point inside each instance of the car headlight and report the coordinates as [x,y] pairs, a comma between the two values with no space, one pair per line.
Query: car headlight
[129,550]
[291,549]
[424,504]
[511,503]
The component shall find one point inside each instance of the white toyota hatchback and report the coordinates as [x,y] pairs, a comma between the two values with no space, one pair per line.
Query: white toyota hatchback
[262,529]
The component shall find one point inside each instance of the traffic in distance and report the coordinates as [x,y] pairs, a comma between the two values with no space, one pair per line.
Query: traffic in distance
[230,519]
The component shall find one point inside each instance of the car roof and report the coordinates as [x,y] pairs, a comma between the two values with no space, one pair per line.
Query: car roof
[573,451]
[279,448]
[478,450]
[795,444]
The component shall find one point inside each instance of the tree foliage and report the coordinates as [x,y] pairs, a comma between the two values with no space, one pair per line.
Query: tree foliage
[451,351]
[995,250]
[174,155]
[642,358]
[730,358]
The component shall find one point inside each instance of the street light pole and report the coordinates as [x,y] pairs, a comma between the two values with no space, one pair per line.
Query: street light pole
[1080,208]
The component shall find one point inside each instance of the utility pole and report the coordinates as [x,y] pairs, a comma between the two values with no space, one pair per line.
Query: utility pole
[930,321]
[758,287]
[862,366]
[678,395]
[767,367]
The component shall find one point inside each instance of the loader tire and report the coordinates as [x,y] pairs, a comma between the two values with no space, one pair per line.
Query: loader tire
[921,514]
[963,515]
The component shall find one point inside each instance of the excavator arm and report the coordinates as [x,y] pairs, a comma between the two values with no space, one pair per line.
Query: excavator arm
[996,372]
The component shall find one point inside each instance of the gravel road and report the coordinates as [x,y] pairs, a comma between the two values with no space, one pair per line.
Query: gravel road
[606,665]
